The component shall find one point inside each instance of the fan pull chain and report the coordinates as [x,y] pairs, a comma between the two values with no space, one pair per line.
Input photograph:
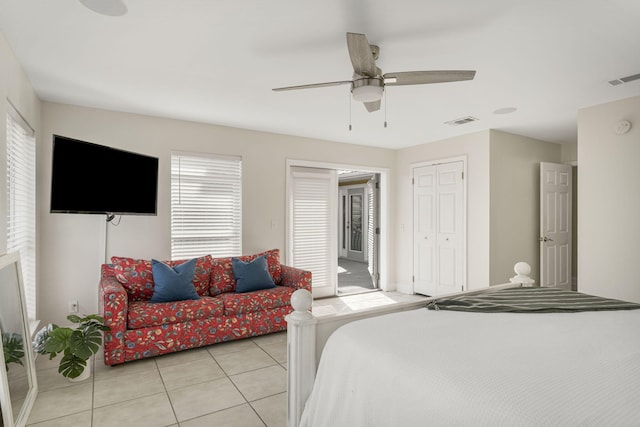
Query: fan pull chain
[385,110]
[349,111]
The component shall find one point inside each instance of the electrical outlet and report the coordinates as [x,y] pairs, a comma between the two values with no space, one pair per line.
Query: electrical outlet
[73,306]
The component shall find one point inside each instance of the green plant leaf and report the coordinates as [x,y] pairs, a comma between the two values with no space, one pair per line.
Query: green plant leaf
[71,366]
[58,340]
[73,318]
[94,317]
[13,348]
[85,343]
[40,340]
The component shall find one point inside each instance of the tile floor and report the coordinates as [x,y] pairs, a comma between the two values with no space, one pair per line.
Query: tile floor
[240,383]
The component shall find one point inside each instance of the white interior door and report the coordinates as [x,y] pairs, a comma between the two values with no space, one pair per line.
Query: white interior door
[425,230]
[313,227]
[438,212]
[450,228]
[356,224]
[555,225]
[342,223]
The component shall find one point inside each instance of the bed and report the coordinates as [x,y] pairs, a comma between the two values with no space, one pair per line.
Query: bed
[465,361]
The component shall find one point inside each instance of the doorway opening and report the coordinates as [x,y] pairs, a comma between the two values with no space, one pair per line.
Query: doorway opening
[358,231]
[317,237]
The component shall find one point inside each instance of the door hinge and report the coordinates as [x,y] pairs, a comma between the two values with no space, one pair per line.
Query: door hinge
[462,174]
[413,181]
[413,278]
[377,230]
[377,185]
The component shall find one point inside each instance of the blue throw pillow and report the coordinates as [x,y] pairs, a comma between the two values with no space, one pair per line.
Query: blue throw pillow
[252,276]
[173,284]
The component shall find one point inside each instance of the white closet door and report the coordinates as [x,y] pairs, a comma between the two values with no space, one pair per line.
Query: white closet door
[313,227]
[450,228]
[425,230]
[438,224]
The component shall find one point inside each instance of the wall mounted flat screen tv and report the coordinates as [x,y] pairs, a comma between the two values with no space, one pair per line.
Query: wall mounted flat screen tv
[88,178]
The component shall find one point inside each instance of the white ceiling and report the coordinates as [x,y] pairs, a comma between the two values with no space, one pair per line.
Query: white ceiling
[216,61]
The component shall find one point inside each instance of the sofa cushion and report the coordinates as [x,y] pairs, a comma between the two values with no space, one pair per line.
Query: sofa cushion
[223,280]
[136,275]
[252,276]
[144,314]
[256,301]
[173,283]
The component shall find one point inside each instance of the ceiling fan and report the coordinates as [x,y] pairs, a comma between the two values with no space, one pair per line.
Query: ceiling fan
[368,82]
[106,7]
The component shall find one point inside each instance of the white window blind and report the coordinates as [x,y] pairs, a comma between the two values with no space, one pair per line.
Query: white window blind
[313,225]
[206,205]
[21,201]
[371,226]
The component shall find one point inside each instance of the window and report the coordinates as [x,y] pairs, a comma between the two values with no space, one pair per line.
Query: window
[21,201]
[206,205]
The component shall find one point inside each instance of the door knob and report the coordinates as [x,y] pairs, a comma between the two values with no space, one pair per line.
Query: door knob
[545,239]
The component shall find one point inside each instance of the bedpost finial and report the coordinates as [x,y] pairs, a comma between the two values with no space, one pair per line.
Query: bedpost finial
[301,301]
[522,270]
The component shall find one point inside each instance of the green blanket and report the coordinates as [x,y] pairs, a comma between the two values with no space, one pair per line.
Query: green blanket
[530,300]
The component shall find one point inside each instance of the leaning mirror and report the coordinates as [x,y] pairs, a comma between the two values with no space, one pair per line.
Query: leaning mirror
[19,386]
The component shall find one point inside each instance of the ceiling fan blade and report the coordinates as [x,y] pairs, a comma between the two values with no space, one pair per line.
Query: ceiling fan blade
[309,86]
[426,77]
[372,106]
[361,56]
[106,7]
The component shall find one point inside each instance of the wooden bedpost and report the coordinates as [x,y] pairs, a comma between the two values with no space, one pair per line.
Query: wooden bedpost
[301,355]
[522,270]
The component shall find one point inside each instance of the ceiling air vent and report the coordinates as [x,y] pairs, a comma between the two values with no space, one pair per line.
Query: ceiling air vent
[621,80]
[461,121]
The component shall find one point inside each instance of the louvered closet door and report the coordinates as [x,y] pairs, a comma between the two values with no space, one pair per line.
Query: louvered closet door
[313,226]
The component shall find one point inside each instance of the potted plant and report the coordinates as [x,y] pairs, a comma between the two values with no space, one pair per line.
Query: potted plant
[12,348]
[76,344]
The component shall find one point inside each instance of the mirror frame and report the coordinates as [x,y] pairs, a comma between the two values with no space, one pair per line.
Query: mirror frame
[13,259]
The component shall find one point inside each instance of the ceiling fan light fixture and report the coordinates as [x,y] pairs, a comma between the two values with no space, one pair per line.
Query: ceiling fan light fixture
[367,93]
[367,90]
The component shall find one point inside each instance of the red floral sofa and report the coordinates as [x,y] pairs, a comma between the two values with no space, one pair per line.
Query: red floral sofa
[141,329]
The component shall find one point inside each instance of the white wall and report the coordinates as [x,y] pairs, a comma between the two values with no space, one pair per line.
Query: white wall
[570,157]
[72,245]
[609,201]
[515,201]
[569,153]
[475,147]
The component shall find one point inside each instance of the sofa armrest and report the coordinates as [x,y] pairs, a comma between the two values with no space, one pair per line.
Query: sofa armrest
[113,306]
[295,278]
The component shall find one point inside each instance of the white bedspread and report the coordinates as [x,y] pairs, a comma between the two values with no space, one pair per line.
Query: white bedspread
[443,368]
